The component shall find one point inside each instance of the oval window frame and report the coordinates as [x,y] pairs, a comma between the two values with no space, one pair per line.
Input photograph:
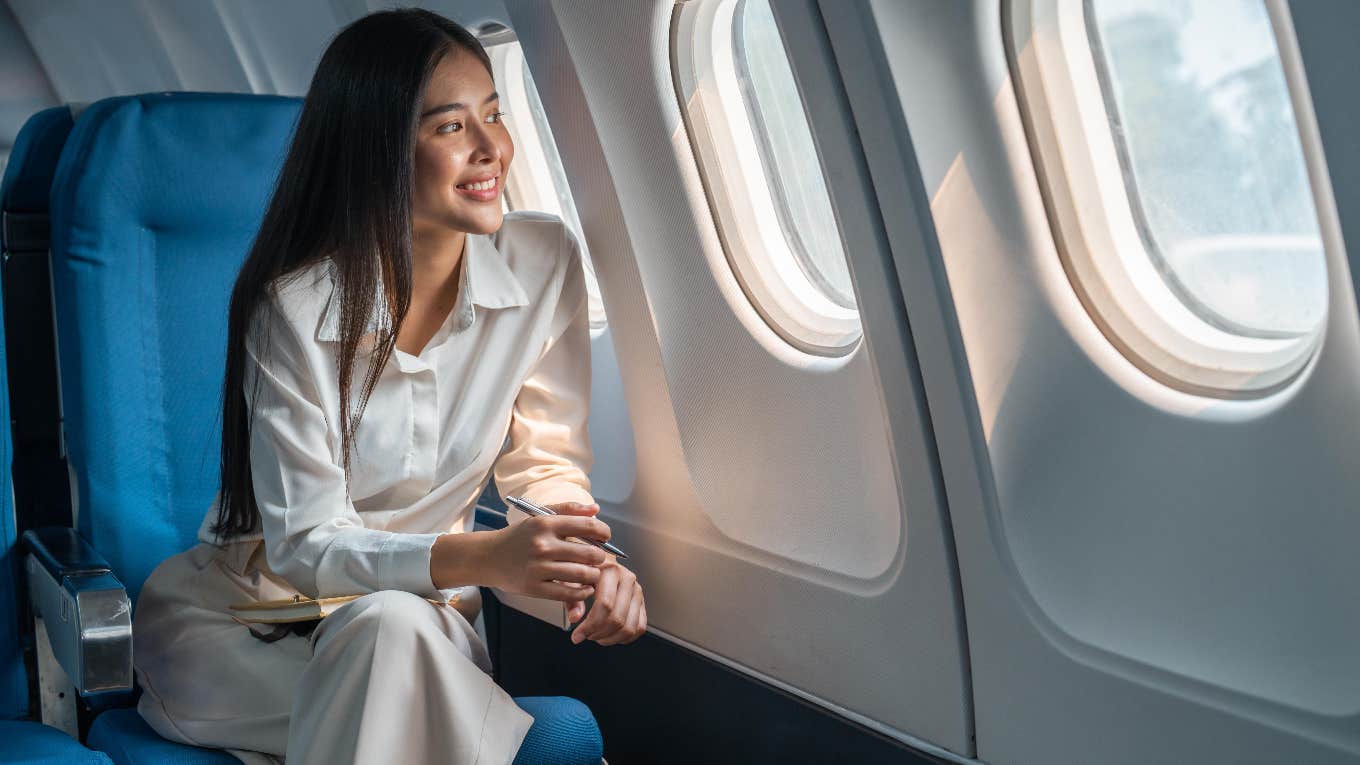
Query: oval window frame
[1102,245]
[705,73]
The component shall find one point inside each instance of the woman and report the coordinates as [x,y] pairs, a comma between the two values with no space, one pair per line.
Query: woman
[387,331]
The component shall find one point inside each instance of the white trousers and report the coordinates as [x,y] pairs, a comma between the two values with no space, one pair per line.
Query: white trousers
[390,677]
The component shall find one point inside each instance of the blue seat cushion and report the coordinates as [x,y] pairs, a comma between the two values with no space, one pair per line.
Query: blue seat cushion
[155,203]
[564,733]
[126,737]
[31,743]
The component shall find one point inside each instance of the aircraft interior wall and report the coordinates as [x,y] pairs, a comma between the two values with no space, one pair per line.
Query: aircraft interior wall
[987,518]
[1099,545]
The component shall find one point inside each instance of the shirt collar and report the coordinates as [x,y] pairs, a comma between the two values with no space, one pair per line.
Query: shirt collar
[484,280]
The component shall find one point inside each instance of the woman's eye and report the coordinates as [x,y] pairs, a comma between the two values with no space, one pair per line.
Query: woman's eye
[451,127]
[495,117]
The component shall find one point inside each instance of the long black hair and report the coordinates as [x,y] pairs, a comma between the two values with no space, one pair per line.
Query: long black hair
[344,192]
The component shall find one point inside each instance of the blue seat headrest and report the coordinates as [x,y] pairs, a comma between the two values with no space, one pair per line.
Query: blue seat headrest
[156,201]
[33,162]
[172,160]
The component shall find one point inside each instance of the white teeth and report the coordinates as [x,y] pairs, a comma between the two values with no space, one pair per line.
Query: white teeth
[482,186]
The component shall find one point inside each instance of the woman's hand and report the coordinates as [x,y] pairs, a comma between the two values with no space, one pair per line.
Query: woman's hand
[619,614]
[535,557]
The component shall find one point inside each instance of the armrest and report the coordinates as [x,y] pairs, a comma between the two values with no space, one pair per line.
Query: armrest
[84,608]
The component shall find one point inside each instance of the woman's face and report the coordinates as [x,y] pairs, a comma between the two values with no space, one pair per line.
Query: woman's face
[462,150]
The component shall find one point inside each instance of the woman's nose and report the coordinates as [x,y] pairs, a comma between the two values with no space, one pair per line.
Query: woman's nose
[486,149]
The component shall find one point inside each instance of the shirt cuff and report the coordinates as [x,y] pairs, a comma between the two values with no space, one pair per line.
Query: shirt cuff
[405,560]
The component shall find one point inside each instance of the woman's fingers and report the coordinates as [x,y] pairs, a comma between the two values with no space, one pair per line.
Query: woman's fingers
[575,611]
[563,592]
[631,629]
[617,617]
[634,628]
[564,526]
[607,590]
[569,572]
[578,552]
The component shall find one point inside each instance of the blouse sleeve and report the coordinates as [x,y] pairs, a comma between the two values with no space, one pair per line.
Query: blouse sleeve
[549,455]
[313,536]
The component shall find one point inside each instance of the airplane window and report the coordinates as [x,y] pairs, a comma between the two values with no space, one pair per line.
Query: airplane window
[537,180]
[1177,183]
[1211,154]
[787,152]
[759,163]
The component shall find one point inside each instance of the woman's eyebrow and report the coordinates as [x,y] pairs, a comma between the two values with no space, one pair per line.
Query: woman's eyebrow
[458,106]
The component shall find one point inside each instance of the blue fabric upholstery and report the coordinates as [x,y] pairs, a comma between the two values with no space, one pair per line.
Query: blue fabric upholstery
[130,741]
[155,204]
[13,679]
[33,161]
[564,733]
[29,743]
[28,177]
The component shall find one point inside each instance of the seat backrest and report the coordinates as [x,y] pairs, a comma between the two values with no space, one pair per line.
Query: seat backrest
[41,492]
[156,201]
[35,474]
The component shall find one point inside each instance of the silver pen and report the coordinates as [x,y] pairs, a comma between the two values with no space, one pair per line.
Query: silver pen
[533,509]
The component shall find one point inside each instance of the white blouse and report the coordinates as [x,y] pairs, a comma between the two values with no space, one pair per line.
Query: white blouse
[512,357]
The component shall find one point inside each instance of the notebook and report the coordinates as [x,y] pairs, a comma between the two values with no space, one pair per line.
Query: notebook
[298,608]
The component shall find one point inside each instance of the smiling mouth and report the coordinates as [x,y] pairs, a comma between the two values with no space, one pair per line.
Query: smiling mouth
[481,191]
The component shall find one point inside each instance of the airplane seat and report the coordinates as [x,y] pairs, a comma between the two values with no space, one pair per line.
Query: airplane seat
[564,731]
[154,206]
[28,176]
[25,741]
[40,481]
[24,190]
[128,740]
[32,743]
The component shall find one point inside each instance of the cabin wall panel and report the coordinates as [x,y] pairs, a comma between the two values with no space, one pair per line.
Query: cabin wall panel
[1133,559]
[757,470]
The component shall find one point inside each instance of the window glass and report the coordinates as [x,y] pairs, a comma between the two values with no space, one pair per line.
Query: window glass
[537,179]
[561,189]
[787,152]
[1202,118]
[566,206]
